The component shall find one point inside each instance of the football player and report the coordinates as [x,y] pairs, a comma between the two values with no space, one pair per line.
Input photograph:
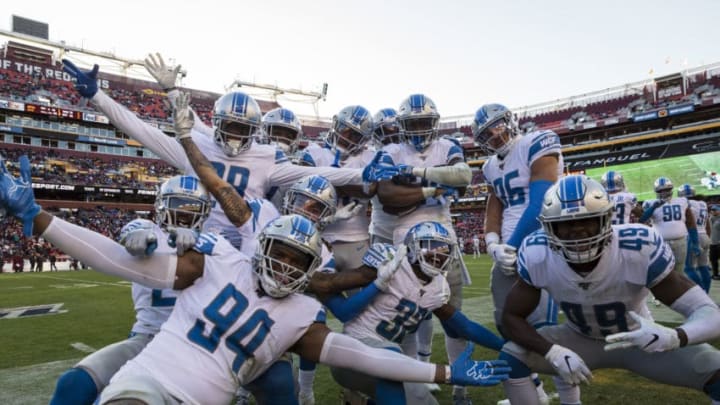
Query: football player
[697,267]
[518,171]
[624,201]
[600,274]
[476,246]
[387,131]
[181,206]
[674,220]
[235,317]
[433,169]
[418,289]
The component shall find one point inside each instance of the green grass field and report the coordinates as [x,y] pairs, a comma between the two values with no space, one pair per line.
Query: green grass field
[639,177]
[36,350]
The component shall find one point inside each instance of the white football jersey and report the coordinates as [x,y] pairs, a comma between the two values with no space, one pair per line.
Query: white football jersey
[597,305]
[441,152]
[510,176]
[223,333]
[669,218]
[393,314]
[244,238]
[700,211]
[476,241]
[623,204]
[152,306]
[356,228]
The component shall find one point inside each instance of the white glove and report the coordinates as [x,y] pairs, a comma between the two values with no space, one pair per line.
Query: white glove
[183,117]
[139,242]
[569,366]
[436,300]
[387,269]
[344,213]
[505,256]
[649,337]
[163,74]
[182,239]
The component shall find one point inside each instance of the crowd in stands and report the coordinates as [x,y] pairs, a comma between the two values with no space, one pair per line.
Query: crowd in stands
[91,169]
[19,253]
[468,223]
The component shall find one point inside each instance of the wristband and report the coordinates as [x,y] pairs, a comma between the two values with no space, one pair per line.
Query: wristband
[491,237]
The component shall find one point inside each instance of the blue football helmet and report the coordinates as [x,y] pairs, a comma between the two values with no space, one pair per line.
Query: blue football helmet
[663,188]
[494,129]
[387,130]
[613,181]
[183,202]
[237,118]
[418,119]
[288,254]
[574,198]
[686,191]
[313,197]
[431,246]
[351,129]
[282,128]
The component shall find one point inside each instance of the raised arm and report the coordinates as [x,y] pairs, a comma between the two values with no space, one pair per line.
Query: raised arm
[125,120]
[234,206]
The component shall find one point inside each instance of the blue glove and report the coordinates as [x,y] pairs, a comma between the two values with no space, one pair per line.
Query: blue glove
[16,194]
[379,169]
[86,81]
[466,371]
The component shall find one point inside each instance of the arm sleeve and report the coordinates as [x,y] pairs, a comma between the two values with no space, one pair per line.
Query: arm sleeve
[152,138]
[107,256]
[528,221]
[457,175]
[346,309]
[285,175]
[461,326]
[345,352]
[703,316]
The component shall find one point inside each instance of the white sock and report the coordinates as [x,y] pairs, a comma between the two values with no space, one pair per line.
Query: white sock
[569,394]
[521,391]
[305,380]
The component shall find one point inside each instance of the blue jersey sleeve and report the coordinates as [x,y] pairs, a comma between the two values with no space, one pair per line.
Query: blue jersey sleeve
[280,157]
[543,143]
[307,159]
[205,243]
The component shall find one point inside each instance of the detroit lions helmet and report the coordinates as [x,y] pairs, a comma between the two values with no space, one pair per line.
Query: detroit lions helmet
[430,245]
[577,198]
[663,188]
[494,129]
[282,128]
[182,201]
[686,191]
[387,130]
[313,197]
[288,254]
[612,181]
[418,119]
[351,129]
[236,117]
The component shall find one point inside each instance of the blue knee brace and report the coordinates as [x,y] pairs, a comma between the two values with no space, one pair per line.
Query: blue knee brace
[74,386]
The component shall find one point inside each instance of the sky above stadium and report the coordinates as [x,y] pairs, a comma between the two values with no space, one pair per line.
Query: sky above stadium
[461,53]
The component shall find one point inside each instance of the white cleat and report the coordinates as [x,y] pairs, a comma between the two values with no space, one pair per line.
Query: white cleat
[306,398]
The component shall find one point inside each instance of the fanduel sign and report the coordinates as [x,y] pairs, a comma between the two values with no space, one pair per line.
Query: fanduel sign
[590,162]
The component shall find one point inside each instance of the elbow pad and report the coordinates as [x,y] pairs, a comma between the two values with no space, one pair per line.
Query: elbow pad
[703,315]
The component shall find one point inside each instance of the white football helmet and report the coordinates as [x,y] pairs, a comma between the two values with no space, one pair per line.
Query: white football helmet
[313,197]
[686,191]
[282,128]
[288,254]
[612,181]
[182,201]
[663,188]
[430,245]
[237,119]
[575,198]
[419,120]
[351,129]
[494,129]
